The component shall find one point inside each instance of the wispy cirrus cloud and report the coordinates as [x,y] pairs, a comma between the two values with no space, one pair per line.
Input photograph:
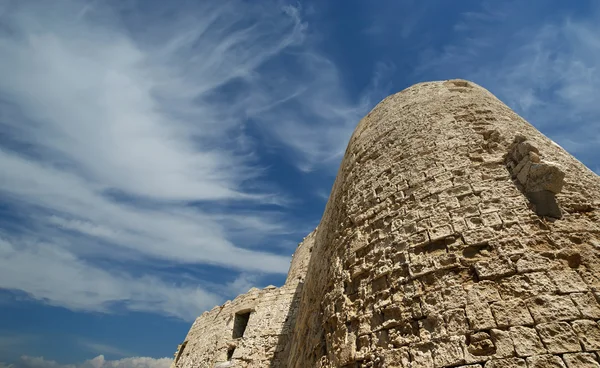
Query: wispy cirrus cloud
[318,121]
[129,144]
[58,277]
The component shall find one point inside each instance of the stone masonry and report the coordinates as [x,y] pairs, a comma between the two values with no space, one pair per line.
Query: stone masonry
[456,235]
[253,330]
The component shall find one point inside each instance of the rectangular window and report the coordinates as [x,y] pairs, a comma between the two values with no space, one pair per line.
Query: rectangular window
[230,352]
[239,324]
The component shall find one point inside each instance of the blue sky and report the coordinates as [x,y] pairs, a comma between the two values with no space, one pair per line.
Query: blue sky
[161,157]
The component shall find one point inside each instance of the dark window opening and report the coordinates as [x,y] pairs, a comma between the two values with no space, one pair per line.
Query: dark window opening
[240,323]
[180,351]
[230,352]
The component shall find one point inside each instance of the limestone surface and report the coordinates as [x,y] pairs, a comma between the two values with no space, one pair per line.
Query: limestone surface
[253,330]
[456,235]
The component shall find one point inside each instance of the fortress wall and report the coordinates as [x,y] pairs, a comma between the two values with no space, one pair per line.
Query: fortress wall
[440,244]
[214,341]
[300,259]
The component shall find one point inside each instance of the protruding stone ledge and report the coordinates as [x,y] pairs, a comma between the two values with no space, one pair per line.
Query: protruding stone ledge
[539,180]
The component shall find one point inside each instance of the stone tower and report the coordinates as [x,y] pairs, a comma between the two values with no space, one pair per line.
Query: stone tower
[456,234]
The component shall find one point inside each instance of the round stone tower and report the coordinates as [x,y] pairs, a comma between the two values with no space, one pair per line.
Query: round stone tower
[455,234]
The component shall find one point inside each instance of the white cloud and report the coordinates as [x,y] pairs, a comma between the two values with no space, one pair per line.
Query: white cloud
[93,111]
[127,116]
[128,143]
[56,276]
[97,362]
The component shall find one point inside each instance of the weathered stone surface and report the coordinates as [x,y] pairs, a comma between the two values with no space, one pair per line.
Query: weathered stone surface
[506,363]
[587,305]
[545,361]
[480,316]
[219,339]
[540,180]
[503,343]
[448,353]
[558,337]
[547,308]
[588,333]
[526,341]
[581,360]
[456,234]
[568,281]
[483,291]
[511,313]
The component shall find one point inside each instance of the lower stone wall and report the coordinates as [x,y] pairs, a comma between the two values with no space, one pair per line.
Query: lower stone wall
[211,342]
[260,336]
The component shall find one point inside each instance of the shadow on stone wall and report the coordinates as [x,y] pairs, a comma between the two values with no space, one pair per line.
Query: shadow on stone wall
[282,348]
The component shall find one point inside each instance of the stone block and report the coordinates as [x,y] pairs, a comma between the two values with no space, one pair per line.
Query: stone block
[549,308]
[421,267]
[558,337]
[544,176]
[432,302]
[419,238]
[404,334]
[531,262]
[480,316]
[474,222]
[432,327]
[484,291]
[587,305]
[568,281]
[508,216]
[448,353]
[545,361]
[491,219]
[526,285]
[446,261]
[478,236]
[440,232]
[397,358]
[459,225]
[456,321]
[510,247]
[590,278]
[489,207]
[506,363]
[588,333]
[454,297]
[473,358]
[512,312]
[480,345]
[494,268]
[526,341]
[503,343]
[581,360]
[420,355]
